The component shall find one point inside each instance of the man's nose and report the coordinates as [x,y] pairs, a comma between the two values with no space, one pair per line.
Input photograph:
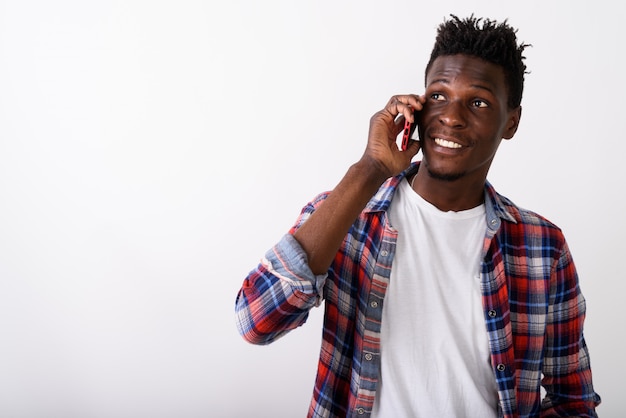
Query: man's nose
[453,114]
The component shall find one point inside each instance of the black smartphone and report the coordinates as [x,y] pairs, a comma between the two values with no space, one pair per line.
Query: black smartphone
[410,132]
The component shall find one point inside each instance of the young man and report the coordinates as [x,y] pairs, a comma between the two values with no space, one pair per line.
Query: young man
[442,298]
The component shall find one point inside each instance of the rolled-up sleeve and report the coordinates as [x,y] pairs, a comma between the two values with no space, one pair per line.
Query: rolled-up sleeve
[567,369]
[278,294]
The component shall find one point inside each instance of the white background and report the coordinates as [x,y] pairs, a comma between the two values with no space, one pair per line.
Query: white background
[151,151]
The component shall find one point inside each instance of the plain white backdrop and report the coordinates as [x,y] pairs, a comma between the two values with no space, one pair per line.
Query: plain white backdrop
[151,151]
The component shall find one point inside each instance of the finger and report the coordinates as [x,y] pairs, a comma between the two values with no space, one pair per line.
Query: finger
[399,120]
[414,146]
[411,99]
[405,105]
[398,105]
[399,125]
[415,102]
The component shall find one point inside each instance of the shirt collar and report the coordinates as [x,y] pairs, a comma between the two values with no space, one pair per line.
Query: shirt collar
[497,207]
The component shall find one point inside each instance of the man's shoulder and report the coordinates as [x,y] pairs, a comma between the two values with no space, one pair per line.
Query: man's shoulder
[382,199]
[522,215]
[378,203]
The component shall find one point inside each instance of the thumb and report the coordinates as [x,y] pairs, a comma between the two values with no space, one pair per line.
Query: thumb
[413,148]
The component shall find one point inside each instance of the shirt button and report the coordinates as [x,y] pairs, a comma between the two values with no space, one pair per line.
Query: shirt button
[360,411]
[368,357]
[494,221]
[492,313]
[384,253]
[501,367]
[374,304]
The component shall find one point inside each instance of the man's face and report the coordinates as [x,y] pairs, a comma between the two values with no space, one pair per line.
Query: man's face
[465,117]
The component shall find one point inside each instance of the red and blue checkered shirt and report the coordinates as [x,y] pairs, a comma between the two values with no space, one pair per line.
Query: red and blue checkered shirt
[533,309]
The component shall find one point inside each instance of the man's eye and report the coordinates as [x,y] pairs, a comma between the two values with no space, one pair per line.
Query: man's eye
[480,103]
[436,96]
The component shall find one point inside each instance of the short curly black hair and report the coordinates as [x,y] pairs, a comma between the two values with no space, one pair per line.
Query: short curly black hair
[486,39]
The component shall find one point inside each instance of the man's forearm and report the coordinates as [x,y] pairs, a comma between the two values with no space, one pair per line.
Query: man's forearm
[322,234]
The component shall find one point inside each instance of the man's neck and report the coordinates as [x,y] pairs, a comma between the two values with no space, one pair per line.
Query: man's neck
[449,195]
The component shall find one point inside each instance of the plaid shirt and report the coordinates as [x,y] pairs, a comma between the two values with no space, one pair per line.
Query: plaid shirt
[533,310]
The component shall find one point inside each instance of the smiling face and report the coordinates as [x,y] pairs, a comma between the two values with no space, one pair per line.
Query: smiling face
[465,118]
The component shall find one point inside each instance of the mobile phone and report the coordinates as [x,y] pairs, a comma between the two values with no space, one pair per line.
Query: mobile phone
[410,132]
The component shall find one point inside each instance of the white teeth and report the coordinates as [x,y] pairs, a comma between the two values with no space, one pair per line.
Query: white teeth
[446,144]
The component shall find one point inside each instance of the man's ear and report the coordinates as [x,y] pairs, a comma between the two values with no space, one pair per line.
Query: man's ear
[513,123]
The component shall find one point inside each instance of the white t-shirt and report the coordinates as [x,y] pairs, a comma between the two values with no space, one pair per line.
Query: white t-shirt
[435,359]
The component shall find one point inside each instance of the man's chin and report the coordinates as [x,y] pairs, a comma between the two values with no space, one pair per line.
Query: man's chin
[443,175]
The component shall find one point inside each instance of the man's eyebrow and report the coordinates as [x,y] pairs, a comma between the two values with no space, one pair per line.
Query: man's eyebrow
[445,81]
[439,80]
[483,87]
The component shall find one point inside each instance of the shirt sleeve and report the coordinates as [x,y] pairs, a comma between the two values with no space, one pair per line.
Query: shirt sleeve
[567,370]
[278,294]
